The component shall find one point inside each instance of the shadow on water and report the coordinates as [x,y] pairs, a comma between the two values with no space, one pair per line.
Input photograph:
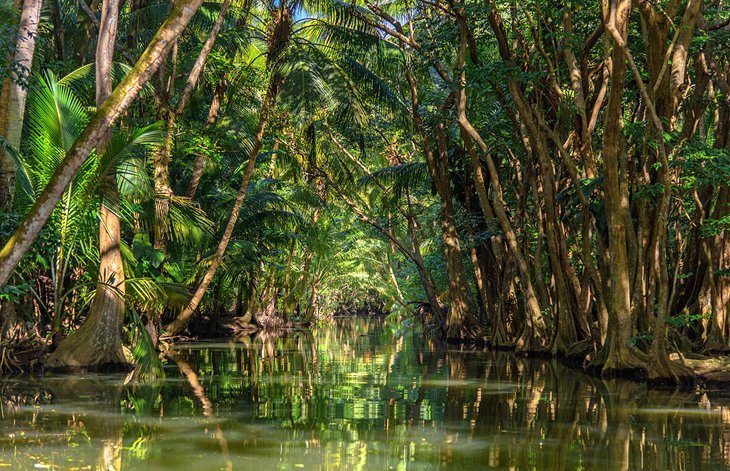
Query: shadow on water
[356,395]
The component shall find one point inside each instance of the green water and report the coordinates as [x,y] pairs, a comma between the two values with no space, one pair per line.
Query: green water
[356,395]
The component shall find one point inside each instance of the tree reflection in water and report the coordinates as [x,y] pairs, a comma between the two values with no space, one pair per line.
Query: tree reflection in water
[357,395]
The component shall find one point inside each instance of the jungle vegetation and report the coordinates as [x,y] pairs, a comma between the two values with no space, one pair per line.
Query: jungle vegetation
[548,176]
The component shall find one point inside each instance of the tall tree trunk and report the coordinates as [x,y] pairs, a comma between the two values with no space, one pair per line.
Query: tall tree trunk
[19,243]
[98,342]
[12,111]
[17,92]
[618,355]
[182,320]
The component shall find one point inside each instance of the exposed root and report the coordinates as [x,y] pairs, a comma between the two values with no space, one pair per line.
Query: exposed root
[95,346]
[577,352]
[238,325]
[620,361]
[528,344]
[664,372]
[270,321]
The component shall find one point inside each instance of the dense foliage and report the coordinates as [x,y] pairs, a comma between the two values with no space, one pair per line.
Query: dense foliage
[547,176]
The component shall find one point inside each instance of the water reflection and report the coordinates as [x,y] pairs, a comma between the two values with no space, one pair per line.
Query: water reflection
[356,395]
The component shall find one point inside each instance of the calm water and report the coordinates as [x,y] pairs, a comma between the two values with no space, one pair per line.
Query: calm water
[356,395]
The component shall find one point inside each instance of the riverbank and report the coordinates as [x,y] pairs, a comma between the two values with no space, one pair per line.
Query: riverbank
[712,373]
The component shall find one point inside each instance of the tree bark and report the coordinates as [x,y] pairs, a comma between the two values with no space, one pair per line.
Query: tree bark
[17,92]
[98,342]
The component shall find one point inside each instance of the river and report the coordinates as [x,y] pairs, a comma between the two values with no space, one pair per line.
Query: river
[356,394]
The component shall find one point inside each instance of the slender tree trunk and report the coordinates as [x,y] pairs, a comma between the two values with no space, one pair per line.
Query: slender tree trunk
[532,336]
[19,243]
[619,356]
[461,321]
[182,320]
[163,155]
[17,92]
[98,342]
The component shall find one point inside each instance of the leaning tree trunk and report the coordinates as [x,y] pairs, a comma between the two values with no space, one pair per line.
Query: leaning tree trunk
[16,248]
[182,320]
[98,342]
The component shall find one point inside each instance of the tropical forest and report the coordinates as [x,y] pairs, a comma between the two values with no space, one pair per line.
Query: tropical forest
[364,234]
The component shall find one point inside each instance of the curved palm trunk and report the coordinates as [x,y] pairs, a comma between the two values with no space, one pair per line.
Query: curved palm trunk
[117,103]
[98,342]
[182,320]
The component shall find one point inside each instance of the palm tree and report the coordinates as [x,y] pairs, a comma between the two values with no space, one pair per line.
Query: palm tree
[104,118]
[56,117]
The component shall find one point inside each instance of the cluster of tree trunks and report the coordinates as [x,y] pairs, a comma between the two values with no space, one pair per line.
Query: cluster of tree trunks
[592,281]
